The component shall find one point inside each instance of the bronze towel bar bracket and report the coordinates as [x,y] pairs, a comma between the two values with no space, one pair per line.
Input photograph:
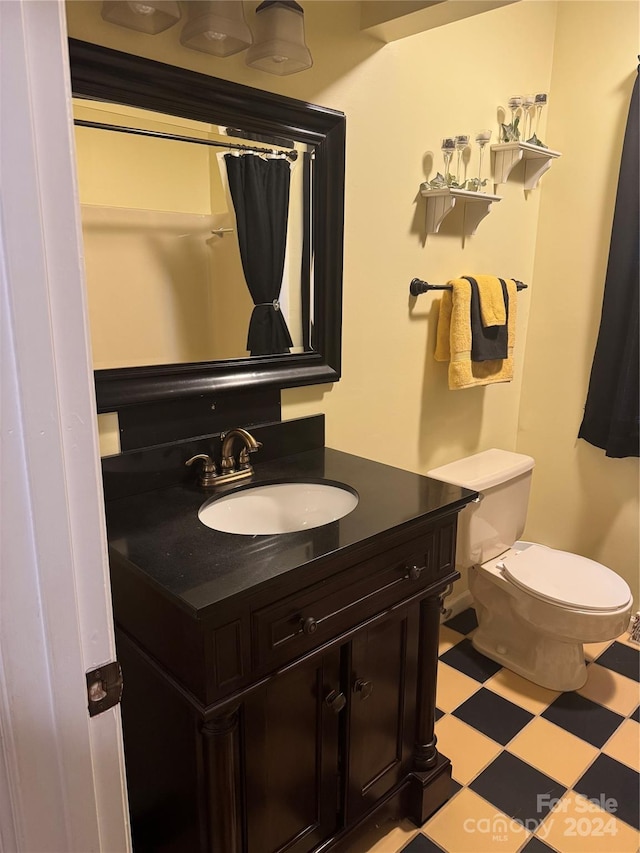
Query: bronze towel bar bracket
[419,286]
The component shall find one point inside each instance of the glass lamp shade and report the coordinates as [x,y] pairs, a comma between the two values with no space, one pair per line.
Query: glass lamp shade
[279,46]
[217,27]
[146,16]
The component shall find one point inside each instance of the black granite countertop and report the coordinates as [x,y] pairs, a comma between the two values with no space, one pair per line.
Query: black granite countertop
[160,534]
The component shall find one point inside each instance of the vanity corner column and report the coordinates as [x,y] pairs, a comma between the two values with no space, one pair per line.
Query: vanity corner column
[431,771]
[221,756]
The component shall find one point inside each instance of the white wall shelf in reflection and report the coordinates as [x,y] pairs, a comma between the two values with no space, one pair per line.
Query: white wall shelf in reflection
[440,202]
[507,155]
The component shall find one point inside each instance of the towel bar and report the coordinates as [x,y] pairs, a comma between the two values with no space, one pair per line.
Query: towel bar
[419,286]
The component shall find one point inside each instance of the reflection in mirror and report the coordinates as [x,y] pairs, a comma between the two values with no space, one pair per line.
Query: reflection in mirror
[162,213]
[197,238]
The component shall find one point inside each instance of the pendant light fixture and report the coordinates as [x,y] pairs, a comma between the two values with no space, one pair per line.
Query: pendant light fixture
[279,46]
[216,26]
[145,16]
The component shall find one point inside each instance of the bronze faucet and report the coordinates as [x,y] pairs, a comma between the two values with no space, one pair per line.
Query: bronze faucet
[250,446]
[228,469]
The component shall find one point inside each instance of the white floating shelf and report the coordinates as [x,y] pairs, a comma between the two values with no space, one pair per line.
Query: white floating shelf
[441,202]
[507,155]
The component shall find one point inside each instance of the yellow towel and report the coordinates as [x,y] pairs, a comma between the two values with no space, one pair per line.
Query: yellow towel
[492,308]
[453,339]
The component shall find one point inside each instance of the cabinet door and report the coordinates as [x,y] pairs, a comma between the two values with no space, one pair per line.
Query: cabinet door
[382,683]
[291,757]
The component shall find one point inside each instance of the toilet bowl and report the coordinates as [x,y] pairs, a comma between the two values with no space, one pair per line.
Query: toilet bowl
[536,605]
[524,622]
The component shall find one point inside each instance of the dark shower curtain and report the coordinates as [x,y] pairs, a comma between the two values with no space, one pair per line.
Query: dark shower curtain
[260,193]
[611,414]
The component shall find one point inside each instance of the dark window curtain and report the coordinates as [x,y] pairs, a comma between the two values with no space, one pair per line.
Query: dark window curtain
[611,414]
[260,193]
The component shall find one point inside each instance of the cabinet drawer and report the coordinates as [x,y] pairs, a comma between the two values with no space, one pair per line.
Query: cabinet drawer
[297,623]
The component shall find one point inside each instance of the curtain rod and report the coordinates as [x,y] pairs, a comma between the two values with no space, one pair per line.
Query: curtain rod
[418,286]
[292,155]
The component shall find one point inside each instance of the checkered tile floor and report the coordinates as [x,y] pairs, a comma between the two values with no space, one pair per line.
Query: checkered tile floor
[534,770]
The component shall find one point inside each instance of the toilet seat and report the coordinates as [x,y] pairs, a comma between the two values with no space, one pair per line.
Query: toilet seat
[566,579]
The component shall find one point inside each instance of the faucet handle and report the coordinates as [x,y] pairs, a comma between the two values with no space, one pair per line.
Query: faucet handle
[243,459]
[208,473]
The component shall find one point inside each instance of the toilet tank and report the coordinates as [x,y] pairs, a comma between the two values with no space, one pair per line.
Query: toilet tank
[489,527]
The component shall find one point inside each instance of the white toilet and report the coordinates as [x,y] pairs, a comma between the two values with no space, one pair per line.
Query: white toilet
[536,606]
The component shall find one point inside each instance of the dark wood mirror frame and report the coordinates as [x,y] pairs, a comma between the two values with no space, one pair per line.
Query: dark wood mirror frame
[102,74]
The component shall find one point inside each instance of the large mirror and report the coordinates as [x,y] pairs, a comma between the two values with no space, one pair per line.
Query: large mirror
[212,220]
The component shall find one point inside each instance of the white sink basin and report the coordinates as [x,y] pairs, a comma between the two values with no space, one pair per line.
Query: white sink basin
[278,508]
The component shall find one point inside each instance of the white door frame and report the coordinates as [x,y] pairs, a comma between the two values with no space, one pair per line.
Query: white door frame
[61,773]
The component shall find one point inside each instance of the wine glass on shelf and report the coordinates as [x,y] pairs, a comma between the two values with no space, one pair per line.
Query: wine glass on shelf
[540,102]
[482,137]
[461,143]
[528,102]
[447,147]
[514,105]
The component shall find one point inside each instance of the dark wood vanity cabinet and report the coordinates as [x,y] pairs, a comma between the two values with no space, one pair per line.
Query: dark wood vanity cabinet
[291,731]
[382,680]
[350,709]
[281,721]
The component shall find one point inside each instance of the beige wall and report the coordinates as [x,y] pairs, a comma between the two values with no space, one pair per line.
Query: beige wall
[393,403]
[581,500]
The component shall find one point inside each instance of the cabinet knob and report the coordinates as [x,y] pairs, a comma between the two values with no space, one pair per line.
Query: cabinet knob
[364,688]
[309,625]
[414,572]
[336,701]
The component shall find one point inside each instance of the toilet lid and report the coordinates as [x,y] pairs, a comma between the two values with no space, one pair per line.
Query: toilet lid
[567,579]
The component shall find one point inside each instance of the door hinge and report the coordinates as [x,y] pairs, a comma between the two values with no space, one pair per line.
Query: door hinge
[104,687]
